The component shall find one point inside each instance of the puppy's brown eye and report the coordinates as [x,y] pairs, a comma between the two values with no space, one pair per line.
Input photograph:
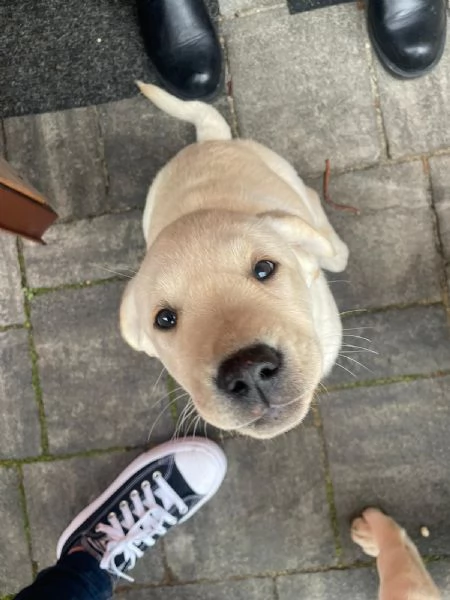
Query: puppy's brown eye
[166,319]
[263,269]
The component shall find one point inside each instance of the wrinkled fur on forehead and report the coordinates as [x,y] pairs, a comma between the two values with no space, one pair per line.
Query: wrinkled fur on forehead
[191,234]
[188,242]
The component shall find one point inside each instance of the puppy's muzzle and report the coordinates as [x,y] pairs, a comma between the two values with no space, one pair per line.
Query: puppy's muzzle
[250,375]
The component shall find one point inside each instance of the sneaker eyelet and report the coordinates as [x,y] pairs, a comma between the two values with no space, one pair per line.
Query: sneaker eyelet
[123,504]
[134,494]
[156,475]
[145,484]
[112,515]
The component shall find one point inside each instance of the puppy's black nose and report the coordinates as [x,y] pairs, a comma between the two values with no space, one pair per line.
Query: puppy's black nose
[249,373]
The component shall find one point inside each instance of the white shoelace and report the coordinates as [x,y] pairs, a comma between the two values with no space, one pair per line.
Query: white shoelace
[124,536]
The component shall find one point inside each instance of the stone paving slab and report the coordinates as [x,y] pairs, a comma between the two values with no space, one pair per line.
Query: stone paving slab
[59,153]
[15,566]
[97,391]
[247,589]
[388,447]
[20,434]
[11,297]
[393,256]
[139,139]
[440,572]
[359,584]
[302,104]
[413,340]
[82,480]
[89,249]
[440,179]
[270,515]
[2,141]
[414,111]
[233,8]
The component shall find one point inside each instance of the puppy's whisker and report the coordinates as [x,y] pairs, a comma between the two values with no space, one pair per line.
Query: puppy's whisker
[157,381]
[191,423]
[357,362]
[167,397]
[187,411]
[196,424]
[358,351]
[180,418]
[359,348]
[158,418]
[323,387]
[113,271]
[345,369]
[180,396]
[131,270]
[348,335]
[352,311]
[360,337]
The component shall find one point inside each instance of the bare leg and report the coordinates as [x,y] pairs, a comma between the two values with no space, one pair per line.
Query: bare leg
[402,574]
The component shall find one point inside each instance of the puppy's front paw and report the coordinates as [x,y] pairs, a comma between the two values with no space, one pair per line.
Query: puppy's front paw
[363,534]
[375,532]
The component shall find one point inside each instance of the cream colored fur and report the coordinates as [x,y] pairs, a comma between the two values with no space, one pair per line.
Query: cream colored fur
[213,209]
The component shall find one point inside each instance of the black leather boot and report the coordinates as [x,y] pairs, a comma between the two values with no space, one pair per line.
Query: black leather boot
[183,46]
[408,35]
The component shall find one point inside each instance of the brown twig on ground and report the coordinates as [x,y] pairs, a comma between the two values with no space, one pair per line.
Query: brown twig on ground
[326,192]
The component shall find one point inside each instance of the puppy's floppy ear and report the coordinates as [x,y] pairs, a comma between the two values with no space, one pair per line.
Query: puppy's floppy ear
[297,232]
[309,245]
[130,326]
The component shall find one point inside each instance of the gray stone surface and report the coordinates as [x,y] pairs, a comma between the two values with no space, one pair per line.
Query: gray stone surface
[98,392]
[51,511]
[408,341]
[139,139]
[388,447]
[11,297]
[301,85]
[359,584]
[247,589]
[90,249]
[271,513]
[2,141]
[414,111]
[61,155]
[15,566]
[440,181]
[300,103]
[440,572]
[19,423]
[393,256]
[232,8]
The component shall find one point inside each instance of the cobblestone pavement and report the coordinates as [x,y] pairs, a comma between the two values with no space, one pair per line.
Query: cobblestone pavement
[78,404]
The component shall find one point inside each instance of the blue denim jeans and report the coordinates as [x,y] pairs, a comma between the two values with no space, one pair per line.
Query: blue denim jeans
[74,577]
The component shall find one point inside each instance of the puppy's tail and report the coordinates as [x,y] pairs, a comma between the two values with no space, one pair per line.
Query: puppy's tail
[209,123]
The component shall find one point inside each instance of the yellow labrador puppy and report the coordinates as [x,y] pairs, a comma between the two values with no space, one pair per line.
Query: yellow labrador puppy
[402,573]
[230,295]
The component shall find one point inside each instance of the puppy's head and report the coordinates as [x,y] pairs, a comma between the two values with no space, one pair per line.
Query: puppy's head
[222,300]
